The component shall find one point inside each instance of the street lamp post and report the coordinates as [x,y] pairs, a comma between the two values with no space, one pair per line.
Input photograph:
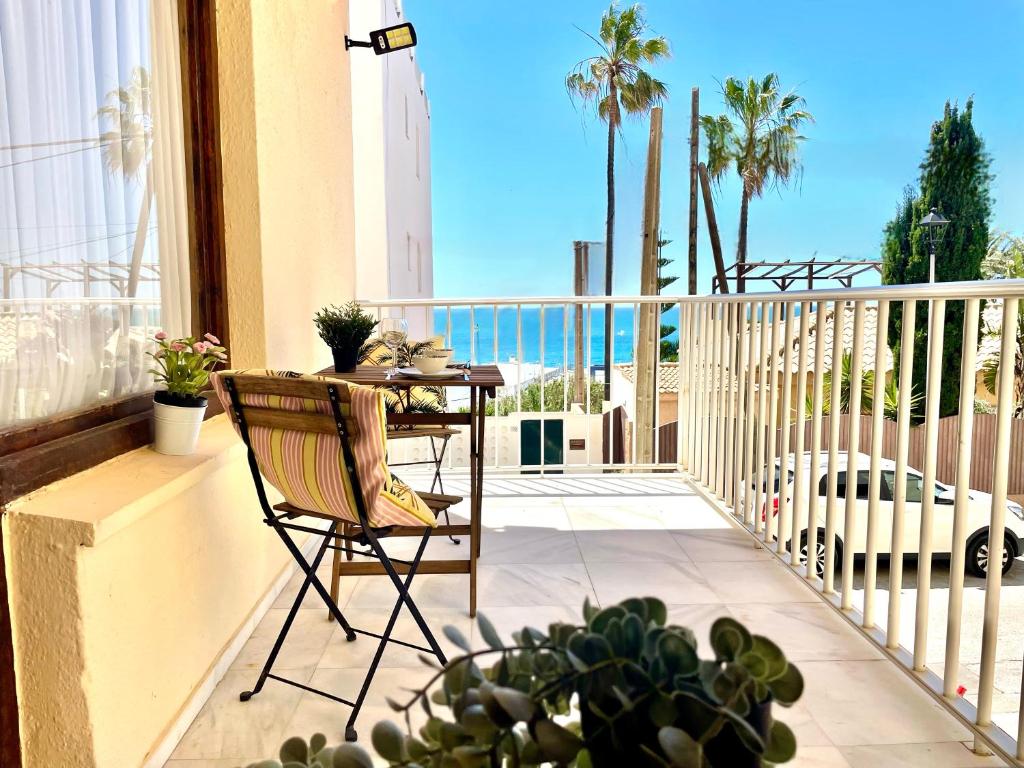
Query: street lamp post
[935,223]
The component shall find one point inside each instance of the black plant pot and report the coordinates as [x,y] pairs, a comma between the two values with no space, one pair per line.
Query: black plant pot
[345,359]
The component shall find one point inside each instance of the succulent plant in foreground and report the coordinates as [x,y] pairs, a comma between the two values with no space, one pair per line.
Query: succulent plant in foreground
[625,688]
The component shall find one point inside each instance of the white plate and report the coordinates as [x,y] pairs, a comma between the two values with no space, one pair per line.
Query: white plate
[416,373]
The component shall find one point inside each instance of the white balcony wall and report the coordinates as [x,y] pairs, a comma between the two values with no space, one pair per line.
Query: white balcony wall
[391,153]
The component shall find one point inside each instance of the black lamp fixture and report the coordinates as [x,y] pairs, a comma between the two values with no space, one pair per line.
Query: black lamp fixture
[387,40]
[935,223]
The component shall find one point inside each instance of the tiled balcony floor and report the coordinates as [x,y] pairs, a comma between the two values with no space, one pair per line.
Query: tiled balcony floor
[547,544]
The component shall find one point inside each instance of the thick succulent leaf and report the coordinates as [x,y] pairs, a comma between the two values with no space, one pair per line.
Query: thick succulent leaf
[351,756]
[636,607]
[680,748]
[772,655]
[781,744]
[750,737]
[697,714]
[677,655]
[600,620]
[487,632]
[656,611]
[516,703]
[729,639]
[789,687]
[632,637]
[557,743]
[317,743]
[476,722]
[454,634]
[389,741]
[589,611]
[294,750]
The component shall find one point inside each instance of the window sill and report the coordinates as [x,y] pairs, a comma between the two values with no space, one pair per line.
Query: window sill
[101,501]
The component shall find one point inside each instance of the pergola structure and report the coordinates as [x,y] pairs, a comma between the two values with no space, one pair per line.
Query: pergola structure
[784,274]
[83,273]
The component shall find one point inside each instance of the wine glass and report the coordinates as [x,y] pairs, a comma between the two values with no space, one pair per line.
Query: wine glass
[394,331]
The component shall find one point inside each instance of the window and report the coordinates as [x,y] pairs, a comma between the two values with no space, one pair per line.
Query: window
[104,210]
[862,485]
[777,477]
[408,252]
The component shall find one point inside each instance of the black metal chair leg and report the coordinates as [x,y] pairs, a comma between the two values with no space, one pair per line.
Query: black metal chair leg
[385,638]
[438,482]
[310,577]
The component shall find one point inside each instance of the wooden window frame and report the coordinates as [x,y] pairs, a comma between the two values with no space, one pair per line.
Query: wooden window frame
[38,454]
[35,455]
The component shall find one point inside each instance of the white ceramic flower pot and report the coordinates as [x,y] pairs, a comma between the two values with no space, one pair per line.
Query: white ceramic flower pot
[176,428]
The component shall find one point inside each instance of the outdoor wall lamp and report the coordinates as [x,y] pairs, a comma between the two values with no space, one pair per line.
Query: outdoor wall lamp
[386,40]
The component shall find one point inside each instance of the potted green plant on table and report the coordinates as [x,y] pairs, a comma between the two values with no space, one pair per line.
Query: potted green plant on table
[625,688]
[345,330]
[182,372]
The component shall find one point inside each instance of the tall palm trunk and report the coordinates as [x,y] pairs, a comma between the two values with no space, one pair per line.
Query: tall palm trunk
[609,247]
[741,243]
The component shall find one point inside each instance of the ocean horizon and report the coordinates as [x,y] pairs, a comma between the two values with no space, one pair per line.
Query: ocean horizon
[473,334]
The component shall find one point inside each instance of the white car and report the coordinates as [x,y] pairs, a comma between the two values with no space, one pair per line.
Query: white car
[978,511]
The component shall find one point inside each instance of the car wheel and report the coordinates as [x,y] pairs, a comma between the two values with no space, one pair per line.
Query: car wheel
[819,554]
[978,555]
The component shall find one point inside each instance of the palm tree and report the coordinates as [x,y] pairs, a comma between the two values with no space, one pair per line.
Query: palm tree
[762,144]
[1005,260]
[890,393]
[127,149]
[614,81]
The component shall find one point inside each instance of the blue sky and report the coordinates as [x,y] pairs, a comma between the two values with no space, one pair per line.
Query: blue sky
[518,172]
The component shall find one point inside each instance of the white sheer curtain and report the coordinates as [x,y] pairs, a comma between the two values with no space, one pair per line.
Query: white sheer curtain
[93,225]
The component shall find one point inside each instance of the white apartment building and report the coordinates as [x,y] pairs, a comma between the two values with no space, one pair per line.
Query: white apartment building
[391,157]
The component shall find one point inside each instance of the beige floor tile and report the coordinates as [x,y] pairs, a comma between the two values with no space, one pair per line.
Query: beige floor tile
[305,644]
[674,583]
[719,545]
[870,703]
[615,517]
[628,547]
[805,631]
[341,654]
[529,585]
[939,755]
[229,762]
[762,581]
[229,728]
[818,757]
[313,598]
[315,714]
[433,593]
[528,545]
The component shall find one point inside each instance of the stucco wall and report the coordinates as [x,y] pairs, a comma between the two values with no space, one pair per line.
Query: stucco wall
[130,580]
[391,145]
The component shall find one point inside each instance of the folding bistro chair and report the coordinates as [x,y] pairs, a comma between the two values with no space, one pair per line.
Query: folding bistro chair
[321,443]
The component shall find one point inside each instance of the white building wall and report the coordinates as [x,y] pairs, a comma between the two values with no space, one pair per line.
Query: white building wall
[391,143]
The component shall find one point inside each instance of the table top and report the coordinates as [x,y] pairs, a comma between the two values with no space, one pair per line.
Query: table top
[480,376]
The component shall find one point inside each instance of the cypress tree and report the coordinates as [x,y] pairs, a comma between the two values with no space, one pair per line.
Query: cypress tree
[955,179]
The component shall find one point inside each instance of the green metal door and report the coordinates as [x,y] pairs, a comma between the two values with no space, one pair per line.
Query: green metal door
[530,443]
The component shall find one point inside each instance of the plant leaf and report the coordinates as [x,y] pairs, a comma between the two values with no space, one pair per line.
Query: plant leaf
[680,748]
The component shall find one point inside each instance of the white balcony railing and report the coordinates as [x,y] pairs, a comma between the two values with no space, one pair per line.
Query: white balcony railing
[536,342]
[751,399]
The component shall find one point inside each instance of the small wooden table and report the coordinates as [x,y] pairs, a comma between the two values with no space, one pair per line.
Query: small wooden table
[482,382]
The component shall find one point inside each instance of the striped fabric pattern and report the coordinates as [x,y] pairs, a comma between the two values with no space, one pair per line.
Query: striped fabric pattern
[308,468]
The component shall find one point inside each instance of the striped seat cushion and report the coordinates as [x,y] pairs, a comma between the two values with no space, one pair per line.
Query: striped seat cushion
[308,468]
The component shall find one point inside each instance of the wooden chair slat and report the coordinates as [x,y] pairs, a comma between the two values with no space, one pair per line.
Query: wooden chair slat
[294,420]
[405,434]
[248,384]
